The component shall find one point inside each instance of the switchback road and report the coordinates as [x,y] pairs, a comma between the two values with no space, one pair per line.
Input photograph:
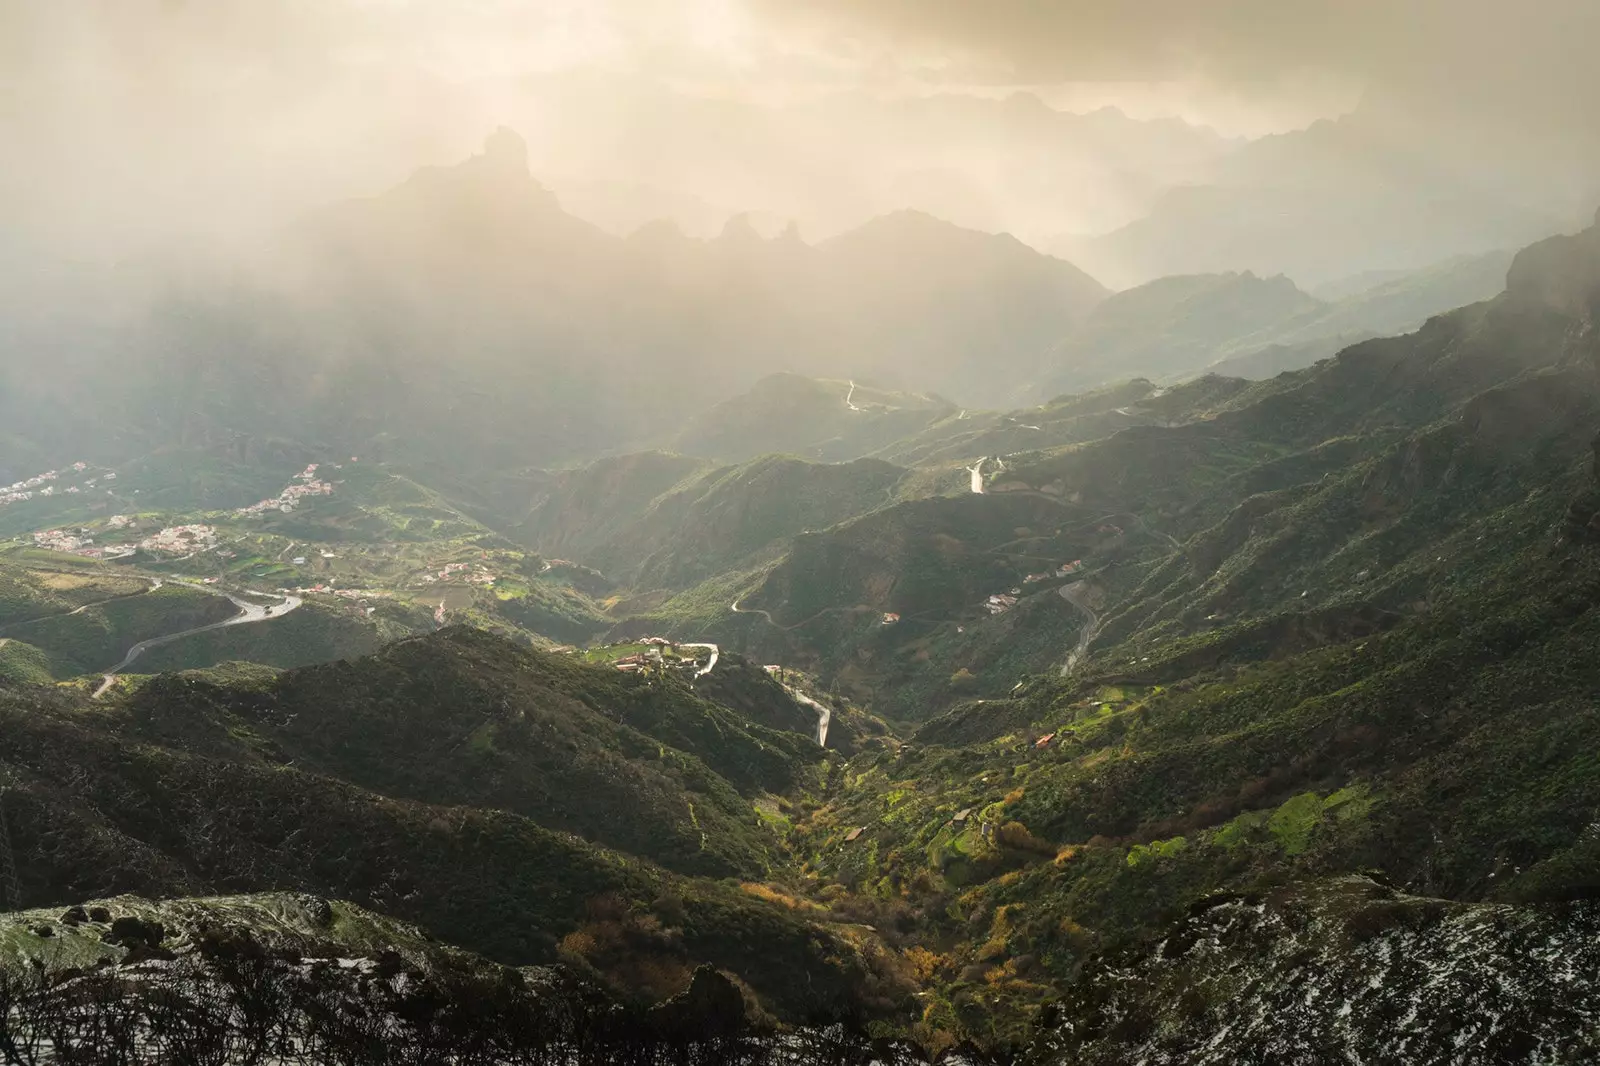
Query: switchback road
[248,612]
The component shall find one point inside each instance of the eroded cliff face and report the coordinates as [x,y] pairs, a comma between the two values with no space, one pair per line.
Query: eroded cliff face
[1562,273]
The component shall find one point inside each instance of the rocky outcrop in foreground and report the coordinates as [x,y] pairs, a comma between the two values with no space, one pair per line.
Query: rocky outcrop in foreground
[1347,971]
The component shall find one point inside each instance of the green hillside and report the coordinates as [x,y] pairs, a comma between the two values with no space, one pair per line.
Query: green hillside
[38,585]
[356,780]
[1141,704]
[1171,325]
[463,718]
[825,420]
[580,507]
[730,517]
[1361,647]
[95,635]
[708,523]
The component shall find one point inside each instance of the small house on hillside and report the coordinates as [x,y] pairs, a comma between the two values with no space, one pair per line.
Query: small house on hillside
[1000,603]
[1044,741]
[961,817]
[854,834]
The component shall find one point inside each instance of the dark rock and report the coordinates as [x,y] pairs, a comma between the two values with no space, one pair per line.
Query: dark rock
[99,914]
[711,1007]
[74,916]
[320,910]
[145,952]
[129,931]
[1583,517]
[43,930]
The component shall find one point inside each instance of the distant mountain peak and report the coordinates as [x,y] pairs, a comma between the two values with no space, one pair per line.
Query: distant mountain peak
[505,148]
[660,231]
[1561,272]
[500,172]
[741,229]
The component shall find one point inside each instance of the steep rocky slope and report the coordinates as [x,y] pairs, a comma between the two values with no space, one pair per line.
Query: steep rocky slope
[1340,971]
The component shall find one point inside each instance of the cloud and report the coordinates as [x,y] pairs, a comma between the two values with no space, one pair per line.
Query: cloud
[147,118]
[1441,54]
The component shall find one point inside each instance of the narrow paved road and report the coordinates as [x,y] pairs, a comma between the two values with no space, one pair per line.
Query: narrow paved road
[858,609]
[824,715]
[736,609]
[248,612]
[849,399]
[1073,594]
[1168,537]
[155,583]
[976,470]
[708,667]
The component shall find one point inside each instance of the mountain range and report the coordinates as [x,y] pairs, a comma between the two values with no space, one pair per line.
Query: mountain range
[1344,195]
[1253,327]
[464,314]
[503,583]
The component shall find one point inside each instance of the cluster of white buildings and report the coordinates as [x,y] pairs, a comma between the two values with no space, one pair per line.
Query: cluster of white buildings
[655,649]
[59,540]
[40,485]
[81,543]
[325,589]
[471,573]
[306,483]
[1001,602]
[181,540]
[1064,570]
[357,597]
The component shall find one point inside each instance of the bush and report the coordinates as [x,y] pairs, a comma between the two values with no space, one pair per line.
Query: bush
[1016,836]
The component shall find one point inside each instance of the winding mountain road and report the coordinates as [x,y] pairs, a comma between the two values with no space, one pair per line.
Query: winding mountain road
[1073,594]
[708,667]
[824,714]
[736,609]
[857,609]
[1168,537]
[155,583]
[976,470]
[248,613]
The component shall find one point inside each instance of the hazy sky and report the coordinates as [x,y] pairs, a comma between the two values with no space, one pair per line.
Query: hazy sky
[123,117]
